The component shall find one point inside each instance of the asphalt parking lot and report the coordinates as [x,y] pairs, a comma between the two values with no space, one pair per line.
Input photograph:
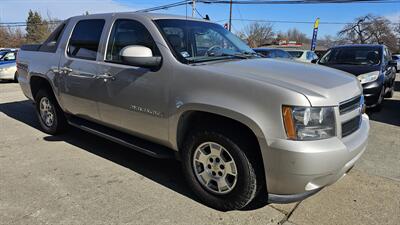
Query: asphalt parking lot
[79,178]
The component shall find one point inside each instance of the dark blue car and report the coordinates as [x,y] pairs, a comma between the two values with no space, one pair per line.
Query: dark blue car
[371,64]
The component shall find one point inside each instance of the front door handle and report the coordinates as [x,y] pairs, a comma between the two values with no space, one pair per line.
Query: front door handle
[105,76]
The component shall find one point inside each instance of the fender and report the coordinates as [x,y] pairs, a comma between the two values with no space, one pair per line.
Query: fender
[225,112]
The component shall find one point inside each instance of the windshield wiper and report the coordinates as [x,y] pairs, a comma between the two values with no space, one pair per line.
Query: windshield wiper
[237,55]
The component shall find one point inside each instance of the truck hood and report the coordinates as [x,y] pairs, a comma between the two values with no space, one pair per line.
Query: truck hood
[322,85]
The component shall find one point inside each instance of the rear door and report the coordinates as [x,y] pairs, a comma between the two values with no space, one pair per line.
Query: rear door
[78,69]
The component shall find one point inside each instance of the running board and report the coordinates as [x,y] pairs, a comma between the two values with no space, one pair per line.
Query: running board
[132,142]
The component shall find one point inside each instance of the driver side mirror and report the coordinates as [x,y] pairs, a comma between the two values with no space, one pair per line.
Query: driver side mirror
[140,56]
[314,61]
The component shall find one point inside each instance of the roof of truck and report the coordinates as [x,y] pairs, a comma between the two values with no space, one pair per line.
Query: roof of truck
[152,16]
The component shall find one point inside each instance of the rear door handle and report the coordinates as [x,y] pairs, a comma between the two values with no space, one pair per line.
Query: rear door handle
[105,76]
[66,70]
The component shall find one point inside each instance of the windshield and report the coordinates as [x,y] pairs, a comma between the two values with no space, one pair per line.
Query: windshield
[353,56]
[196,41]
[2,54]
[296,54]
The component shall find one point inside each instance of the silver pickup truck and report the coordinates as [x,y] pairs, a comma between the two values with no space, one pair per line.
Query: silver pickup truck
[246,129]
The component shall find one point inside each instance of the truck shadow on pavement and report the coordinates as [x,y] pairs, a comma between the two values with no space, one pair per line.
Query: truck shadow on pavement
[165,172]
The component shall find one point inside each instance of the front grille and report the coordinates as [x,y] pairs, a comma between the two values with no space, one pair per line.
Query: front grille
[349,105]
[350,126]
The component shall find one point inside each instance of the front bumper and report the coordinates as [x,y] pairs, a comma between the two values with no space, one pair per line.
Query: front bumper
[372,91]
[298,169]
[7,74]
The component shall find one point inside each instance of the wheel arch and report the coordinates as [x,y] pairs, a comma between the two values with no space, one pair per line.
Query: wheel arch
[189,115]
[37,82]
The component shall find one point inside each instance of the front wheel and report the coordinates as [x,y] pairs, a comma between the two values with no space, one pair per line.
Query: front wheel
[220,171]
[50,115]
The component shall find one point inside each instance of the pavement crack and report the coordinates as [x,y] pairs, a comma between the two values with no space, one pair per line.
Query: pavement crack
[287,216]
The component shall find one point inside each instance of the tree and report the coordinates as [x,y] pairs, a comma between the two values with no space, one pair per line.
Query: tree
[396,29]
[357,32]
[11,38]
[369,29]
[37,29]
[293,34]
[296,35]
[257,34]
[328,41]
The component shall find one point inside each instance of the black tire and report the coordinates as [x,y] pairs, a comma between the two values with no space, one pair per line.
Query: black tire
[249,178]
[16,77]
[59,123]
[390,93]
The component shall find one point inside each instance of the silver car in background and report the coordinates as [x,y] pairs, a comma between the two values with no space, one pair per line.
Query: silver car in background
[8,67]
[303,55]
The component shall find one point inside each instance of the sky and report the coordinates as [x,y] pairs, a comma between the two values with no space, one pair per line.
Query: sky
[17,10]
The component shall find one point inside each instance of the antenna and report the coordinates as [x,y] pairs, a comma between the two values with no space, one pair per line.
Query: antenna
[193,8]
[230,15]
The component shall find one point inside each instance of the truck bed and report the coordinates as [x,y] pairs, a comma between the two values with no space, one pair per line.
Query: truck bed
[33,47]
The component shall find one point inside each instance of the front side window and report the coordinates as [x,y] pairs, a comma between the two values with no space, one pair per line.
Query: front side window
[85,39]
[196,41]
[128,32]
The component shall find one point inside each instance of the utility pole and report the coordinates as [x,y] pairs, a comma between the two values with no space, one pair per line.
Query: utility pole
[193,8]
[230,16]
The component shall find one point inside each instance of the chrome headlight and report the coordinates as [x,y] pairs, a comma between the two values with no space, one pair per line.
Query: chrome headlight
[368,77]
[309,123]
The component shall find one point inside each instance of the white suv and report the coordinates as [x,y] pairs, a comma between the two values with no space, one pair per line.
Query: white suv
[303,55]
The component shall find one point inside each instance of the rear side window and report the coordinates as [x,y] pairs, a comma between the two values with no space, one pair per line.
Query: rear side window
[128,32]
[282,54]
[85,39]
[50,45]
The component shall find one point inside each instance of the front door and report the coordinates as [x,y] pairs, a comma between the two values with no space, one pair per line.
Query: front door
[134,99]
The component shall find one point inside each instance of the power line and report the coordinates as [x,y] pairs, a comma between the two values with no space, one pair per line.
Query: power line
[180,3]
[282,2]
[289,21]
[167,6]
[186,2]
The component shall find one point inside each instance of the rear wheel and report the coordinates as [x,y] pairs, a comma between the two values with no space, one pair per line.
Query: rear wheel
[220,170]
[51,117]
